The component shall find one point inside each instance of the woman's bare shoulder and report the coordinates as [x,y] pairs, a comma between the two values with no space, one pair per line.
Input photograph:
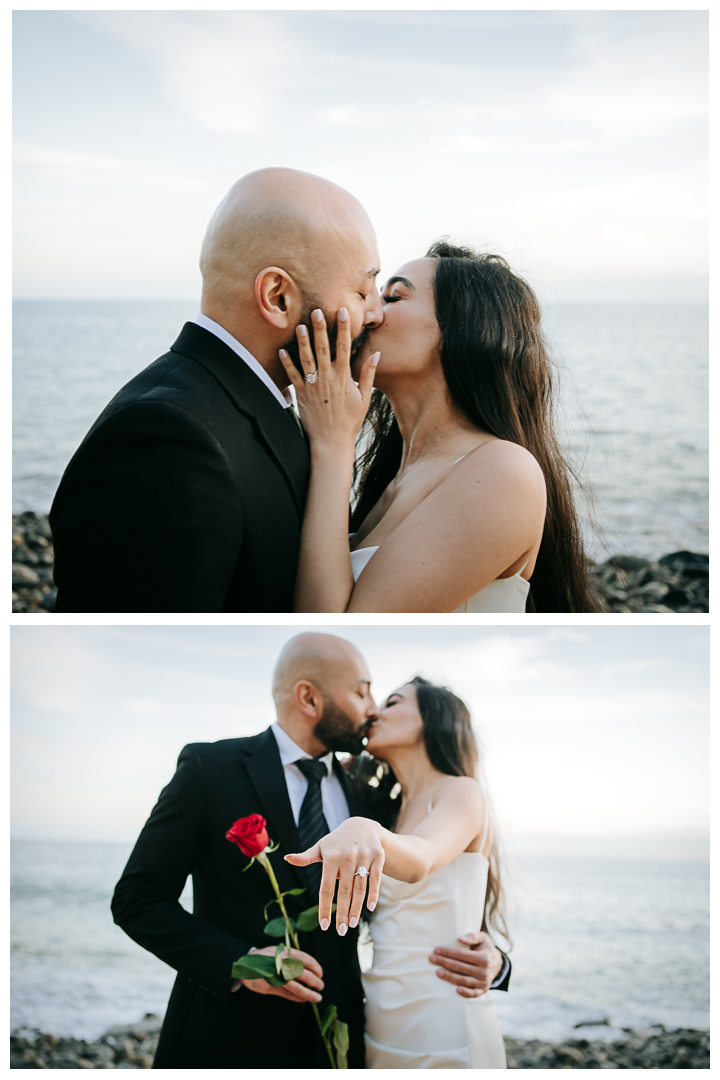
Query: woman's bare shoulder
[507,460]
[463,789]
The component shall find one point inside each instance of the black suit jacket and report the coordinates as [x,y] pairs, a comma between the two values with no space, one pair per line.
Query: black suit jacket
[207,1026]
[187,493]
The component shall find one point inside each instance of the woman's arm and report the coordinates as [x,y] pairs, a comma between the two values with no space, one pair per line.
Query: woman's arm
[456,819]
[332,408]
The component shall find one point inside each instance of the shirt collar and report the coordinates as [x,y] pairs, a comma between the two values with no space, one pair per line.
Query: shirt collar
[283,397]
[290,752]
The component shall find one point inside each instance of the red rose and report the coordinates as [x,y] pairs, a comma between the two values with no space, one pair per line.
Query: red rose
[250,835]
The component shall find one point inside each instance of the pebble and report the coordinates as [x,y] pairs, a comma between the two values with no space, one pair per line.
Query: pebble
[133,1046]
[675,583]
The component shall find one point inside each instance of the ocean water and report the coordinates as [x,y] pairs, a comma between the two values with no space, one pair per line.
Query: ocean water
[593,938]
[633,391]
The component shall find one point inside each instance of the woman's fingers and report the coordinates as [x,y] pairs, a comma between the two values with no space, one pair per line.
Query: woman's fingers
[307,359]
[343,342]
[375,879]
[290,370]
[367,378]
[344,896]
[321,343]
[304,858]
[358,895]
[327,891]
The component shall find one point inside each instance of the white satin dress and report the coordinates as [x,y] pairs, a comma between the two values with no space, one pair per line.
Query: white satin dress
[413,1019]
[503,594]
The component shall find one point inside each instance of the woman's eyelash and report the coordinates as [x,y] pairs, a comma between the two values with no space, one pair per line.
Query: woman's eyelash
[391,299]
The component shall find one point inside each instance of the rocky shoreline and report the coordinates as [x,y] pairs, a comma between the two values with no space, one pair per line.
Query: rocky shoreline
[133,1046]
[675,583]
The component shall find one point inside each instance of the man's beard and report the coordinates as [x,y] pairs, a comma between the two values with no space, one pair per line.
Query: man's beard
[336,730]
[310,303]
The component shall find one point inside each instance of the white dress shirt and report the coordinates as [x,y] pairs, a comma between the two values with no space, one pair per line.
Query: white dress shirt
[334,803]
[284,397]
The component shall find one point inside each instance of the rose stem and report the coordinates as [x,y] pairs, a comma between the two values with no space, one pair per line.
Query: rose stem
[262,857]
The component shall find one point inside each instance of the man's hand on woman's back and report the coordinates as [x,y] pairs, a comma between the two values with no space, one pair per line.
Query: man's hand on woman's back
[473,968]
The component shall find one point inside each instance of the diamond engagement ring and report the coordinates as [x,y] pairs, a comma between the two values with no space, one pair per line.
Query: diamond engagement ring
[361,872]
[311,377]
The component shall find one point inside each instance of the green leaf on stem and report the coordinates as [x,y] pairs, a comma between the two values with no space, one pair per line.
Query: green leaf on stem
[341,1042]
[254,966]
[293,892]
[330,1014]
[276,927]
[308,920]
[291,968]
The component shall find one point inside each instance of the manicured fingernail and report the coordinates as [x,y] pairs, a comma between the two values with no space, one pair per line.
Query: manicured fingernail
[342,929]
[302,331]
[342,314]
[371,905]
[353,922]
[283,354]
[375,359]
[317,315]
[324,924]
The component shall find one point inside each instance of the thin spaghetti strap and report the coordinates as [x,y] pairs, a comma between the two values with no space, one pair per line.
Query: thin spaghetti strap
[486,829]
[430,807]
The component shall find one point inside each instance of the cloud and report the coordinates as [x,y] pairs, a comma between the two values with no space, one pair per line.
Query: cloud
[227,70]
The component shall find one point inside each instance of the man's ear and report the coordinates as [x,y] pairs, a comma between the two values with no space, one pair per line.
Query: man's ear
[278,298]
[308,698]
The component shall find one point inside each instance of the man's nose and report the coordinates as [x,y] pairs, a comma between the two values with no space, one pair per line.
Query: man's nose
[372,710]
[374,314]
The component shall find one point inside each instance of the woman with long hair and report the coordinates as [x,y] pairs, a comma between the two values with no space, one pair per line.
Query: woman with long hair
[462,494]
[431,873]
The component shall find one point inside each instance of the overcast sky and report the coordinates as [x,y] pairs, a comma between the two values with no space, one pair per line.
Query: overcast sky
[573,142]
[587,732]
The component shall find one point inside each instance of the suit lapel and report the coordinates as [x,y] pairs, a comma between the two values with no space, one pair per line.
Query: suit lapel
[265,772]
[284,438]
[279,432]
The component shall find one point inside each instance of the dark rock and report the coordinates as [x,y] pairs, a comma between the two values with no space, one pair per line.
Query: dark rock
[676,583]
[655,1048]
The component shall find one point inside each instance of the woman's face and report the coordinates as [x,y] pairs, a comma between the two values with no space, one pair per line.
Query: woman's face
[408,336]
[398,724]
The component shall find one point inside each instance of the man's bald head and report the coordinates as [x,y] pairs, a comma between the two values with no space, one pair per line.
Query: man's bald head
[319,659]
[279,217]
[322,693]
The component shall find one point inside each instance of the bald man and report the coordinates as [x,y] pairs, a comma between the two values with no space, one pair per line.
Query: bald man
[187,494]
[321,689]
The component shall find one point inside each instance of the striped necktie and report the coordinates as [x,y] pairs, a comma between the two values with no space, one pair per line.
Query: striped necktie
[311,823]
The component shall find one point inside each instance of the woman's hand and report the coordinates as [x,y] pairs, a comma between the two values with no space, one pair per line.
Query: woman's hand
[354,844]
[332,406]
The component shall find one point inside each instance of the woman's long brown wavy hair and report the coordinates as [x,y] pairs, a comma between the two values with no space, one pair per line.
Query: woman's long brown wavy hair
[452,749]
[498,371]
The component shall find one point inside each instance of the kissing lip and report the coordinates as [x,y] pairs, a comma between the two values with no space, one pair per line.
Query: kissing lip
[366,730]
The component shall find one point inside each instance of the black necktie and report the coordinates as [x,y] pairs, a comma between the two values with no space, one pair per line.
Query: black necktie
[311,823]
